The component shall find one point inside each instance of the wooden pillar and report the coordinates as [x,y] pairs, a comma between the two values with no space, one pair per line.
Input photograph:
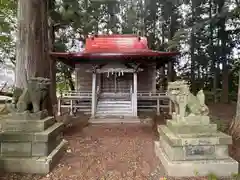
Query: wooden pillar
[94,83]
[135,94]
[162,79]
[99,81]
[158,106]
[154,80]
[170,107]
[76,78]
[59,112]
[170,71]
[71,107]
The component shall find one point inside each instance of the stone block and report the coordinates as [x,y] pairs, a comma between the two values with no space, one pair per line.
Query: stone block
[33,165]
[217,138]
[26,115]
[16,137]
[43,136]
[189,128]
[49,133]
[16,149]
[200,152]
[45,148]
[194,119]
[191,119]
[188,168]
[27,125]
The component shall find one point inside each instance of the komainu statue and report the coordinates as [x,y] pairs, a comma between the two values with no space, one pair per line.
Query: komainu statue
[31,98]
[185,103]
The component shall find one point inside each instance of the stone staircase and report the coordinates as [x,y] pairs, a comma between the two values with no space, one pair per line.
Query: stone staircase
[114,110]
[114,107]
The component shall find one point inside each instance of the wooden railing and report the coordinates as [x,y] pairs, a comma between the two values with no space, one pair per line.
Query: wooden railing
[147,101]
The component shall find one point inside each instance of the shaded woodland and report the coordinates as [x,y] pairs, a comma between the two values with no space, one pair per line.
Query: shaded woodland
[206,32]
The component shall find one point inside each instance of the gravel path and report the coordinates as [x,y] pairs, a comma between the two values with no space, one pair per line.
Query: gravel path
[106,152]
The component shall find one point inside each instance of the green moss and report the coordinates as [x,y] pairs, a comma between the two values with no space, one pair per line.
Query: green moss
[222,125]
[212,176]
[235,176]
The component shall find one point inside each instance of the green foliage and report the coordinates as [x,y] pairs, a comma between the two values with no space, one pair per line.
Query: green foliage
[222,125]
[7,27]
[212,176]
[236,176]
[167,24]
[177,39]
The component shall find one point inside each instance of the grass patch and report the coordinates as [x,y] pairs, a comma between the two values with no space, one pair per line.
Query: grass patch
[222,125]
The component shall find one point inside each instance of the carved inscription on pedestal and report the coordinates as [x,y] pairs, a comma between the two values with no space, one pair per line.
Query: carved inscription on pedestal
[199,151]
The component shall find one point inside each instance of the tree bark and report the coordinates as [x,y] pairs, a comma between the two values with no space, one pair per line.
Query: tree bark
[21,44]
[223,36]
[32,43]
[52,63]
[6,94]
[192,51]
[32,46]
[238,99]
[173,20]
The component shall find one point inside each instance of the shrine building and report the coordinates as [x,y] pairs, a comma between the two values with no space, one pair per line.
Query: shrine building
[111,72]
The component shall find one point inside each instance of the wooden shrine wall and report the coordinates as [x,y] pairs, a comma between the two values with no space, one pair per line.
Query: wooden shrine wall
[83,79]
[146,80]
[123,83]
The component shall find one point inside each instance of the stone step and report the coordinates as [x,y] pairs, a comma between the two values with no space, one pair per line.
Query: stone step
[198,152]
[33,165]
[117,110]
[114,105]
[26,144]
[27,125]
[188,168]
[44,136]
[188,128]
[194,139]
[29,149]
[26,115]
[114,111]
[109,109]
[114,114]
[113,119]
[114,102]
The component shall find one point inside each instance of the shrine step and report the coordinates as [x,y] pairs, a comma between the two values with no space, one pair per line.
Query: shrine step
[108,107]
[113,119]
[117,103]
[110,113]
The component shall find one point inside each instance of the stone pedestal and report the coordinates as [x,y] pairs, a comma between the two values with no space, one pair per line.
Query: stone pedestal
[194,146]
[30,146]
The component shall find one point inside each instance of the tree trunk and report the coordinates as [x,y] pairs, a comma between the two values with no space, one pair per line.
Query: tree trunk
[223,36]
[21,44]
[52,63]
[170,72]
[212,55]
[173,20]
[193,63]
[32,42]
[192,49]
[162,79]
[68,78]
[238,99]
[225,83]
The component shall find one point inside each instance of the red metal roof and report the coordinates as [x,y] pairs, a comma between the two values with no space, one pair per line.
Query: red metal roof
[113,47]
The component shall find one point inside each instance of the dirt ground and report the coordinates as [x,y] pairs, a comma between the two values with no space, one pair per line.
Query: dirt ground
[112,152]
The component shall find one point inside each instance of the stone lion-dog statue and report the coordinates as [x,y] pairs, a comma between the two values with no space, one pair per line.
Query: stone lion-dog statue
[185,103]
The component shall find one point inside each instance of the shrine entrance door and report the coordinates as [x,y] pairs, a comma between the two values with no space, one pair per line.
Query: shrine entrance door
[117,85]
